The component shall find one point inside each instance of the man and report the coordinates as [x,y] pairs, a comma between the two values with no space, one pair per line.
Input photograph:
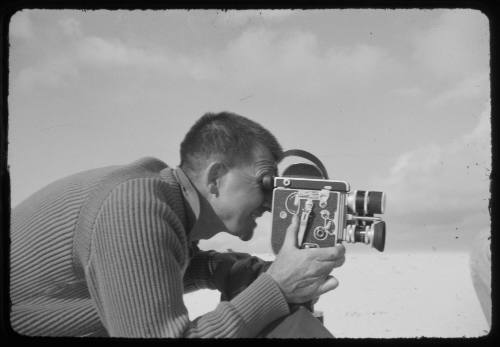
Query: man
[111,251]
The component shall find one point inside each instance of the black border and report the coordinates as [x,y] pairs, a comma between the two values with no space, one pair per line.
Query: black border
[9,7]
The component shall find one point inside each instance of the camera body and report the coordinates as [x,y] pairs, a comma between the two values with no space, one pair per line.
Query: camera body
[329,213]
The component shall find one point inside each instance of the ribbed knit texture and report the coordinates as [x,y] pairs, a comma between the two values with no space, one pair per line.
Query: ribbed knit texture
[106,252]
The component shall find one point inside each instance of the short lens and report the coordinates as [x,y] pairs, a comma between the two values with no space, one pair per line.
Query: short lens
[359,234]
[379,236]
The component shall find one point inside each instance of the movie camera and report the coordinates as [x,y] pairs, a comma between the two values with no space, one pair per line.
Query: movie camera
[329,211]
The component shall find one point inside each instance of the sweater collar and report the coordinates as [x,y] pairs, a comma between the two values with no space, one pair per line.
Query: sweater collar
[206,222]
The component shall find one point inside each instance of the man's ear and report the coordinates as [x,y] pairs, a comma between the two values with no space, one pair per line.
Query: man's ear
[215,171]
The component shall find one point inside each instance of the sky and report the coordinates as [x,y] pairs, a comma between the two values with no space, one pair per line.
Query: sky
[390,100]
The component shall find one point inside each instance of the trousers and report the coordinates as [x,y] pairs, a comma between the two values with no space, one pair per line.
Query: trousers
[299,324]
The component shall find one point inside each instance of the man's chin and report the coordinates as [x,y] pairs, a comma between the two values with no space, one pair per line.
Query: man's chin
[246,236]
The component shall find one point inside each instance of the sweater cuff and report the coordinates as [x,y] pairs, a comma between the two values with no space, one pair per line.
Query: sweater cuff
[261,303]
[198,275]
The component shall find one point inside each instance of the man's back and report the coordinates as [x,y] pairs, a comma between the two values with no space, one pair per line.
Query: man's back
[46,285]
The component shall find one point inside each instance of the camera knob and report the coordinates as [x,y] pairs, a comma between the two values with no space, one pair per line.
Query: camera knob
[320,233]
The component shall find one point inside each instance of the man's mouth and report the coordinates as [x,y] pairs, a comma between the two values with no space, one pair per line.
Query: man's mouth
[256,214]
[249,233]
[253,218]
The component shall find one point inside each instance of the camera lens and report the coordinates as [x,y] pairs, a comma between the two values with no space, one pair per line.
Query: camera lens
[359,234]
[378,241]
[373,234]
[362,202]
[355,202]
[375,202]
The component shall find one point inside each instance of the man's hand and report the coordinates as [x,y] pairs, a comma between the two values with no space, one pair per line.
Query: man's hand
[304,274]
[233,272]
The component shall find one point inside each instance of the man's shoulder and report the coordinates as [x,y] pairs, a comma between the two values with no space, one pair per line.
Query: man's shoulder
[143,167]
[150,164]
[146,168]
[140,166]
[97,181]
[120,184]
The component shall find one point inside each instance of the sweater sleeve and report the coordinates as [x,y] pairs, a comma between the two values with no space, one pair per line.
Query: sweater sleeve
[227,272]
[135,273]
[198,274]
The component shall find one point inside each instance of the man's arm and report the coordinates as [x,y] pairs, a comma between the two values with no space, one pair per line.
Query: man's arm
[198,275]
[228,272]
[135,274]
[233,272]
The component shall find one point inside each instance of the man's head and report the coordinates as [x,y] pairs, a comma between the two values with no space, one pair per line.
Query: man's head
[226,156]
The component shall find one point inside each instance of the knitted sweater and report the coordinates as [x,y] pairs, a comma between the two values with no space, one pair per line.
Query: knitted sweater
[107,252]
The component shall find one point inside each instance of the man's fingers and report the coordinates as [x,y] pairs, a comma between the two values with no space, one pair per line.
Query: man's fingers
[329,284]
[291,233]
[328,253]
[339,262]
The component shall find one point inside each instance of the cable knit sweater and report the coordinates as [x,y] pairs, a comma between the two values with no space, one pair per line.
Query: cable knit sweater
[106,252]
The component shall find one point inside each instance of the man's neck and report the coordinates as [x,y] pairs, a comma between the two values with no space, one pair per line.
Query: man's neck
[206,223]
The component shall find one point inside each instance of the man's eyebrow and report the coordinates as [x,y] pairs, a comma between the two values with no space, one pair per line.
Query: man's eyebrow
[266,164]
[265,167]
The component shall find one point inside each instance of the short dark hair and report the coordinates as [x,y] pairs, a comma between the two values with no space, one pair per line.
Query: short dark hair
[225,136]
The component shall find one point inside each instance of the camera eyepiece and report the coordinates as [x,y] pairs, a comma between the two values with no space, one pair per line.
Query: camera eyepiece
[267,182]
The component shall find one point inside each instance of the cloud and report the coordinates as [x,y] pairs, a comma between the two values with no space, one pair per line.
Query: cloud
[411,92]
[442,184]
[259,57]
[234,18]
[296,61]
[359,61]
[102,53]
[71,27]
[20,26]
[474,86]
[456,46]
[58,72]
[63,67]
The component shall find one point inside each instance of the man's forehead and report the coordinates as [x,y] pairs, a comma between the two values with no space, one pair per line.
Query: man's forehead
[264,163]
[262,153]
[260,162]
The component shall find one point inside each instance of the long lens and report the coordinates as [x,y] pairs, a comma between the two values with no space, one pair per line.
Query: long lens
[362,202]
[376,202]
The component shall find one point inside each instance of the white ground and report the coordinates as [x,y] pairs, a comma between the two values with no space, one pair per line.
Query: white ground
[392,295]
